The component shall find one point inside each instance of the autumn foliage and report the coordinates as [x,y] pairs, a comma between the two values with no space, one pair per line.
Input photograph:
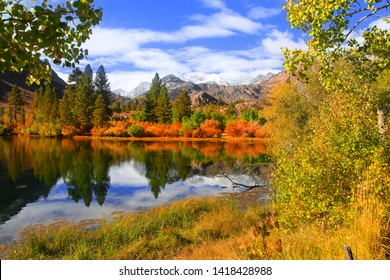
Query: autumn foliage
[242,128]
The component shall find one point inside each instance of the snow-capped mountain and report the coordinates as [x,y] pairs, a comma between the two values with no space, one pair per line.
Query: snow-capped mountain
[140,89]
[197,82]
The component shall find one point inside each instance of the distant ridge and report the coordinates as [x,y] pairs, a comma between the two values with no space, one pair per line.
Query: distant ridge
[211,92]
[8,79]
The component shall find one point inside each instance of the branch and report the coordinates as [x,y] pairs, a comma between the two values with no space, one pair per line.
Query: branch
[235,184]
[359,22]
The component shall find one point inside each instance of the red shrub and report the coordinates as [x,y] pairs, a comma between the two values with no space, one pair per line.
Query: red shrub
[260,132]
[241,128]
[187,133]
[209,128]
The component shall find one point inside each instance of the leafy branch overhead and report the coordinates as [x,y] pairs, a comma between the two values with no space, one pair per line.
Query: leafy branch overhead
[331,26]
[34,31]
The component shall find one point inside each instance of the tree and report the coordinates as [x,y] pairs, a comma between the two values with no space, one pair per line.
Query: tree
[88,72]
[181,107]
[14,102]
[55,31]
[66,107]
[75,76]
[99,116]
[1,115]
[151,99]
[83,106]
[330,25]
[231,111]
[164,107]
[102,86]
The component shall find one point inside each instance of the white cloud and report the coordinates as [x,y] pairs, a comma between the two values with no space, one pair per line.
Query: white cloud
[133,55]
[277,40]
[217,4]
[381,24]
[261,12]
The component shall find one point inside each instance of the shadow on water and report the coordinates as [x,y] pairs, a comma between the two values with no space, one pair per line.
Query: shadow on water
[31,167]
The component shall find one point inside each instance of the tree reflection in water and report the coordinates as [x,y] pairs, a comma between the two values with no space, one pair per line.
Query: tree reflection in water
[30,167]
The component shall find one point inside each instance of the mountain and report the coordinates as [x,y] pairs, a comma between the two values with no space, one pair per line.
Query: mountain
[8,79]
[211,92]
[139,90]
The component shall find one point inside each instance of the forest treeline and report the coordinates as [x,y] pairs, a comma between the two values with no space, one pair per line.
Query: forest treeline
[88,108]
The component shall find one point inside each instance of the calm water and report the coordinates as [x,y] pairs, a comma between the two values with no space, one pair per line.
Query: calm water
[42,179]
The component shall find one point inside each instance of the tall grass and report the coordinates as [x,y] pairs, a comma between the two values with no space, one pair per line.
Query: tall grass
[209,228]
[159,233]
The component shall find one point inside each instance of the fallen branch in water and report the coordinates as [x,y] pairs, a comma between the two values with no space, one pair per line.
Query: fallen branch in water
[249,187]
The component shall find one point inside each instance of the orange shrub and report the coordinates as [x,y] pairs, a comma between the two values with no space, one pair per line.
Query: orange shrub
[260,132]
[236,128]
[96,131]
[241,128]
[250,130]
[162,130]
[117,128]
[209,128]
[69,130]
[154,131]
[173,130]
[187,133]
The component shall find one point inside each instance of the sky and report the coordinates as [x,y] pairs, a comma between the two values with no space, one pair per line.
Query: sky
[195,40]
[202,40]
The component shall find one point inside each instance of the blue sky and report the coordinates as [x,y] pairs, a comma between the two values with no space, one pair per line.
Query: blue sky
[212,39]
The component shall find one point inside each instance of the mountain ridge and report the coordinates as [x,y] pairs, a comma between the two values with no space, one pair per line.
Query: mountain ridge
[213,92]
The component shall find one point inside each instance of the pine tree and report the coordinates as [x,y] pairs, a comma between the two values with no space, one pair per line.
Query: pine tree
[49,105]
[164,108]
[89,73]
[66,108]
[182,107]
[75,76]
[151,99]
[102,86]
[99,116]
[14,102]
[2,112]
[83,106]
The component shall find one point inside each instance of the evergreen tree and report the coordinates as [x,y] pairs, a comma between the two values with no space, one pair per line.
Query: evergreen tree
[22,116]
[1,115]
[102,86]
[89,74]
[182,107]
[151,99]
[164,108]
[75,76]
[83,106]
[14,102]
[49,105]
[66,107]
[99,116]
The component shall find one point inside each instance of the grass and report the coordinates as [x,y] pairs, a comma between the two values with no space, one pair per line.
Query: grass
[205,228]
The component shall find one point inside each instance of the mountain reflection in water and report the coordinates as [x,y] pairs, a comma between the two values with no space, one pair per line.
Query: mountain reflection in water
[48,178]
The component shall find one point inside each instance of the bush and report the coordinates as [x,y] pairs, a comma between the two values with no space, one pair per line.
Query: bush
[117,128]
[70,130]
[241,128]
[97,131]
[135,130]
[209,128]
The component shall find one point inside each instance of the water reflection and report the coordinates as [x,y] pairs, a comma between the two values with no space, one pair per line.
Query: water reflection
[113,173]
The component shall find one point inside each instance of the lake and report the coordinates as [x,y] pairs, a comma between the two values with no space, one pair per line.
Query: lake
[44,179]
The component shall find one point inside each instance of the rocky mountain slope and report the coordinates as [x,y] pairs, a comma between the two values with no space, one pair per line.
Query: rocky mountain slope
[213,92]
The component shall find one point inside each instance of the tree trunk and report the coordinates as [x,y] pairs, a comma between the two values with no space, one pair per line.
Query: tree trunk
[381,123]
